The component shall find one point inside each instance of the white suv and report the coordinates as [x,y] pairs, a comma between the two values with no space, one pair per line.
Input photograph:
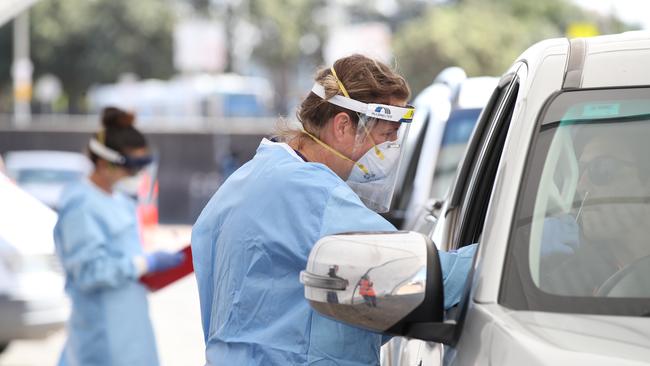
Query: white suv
[555,189]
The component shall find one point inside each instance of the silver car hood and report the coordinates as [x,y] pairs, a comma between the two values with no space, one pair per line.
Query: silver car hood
[555,338]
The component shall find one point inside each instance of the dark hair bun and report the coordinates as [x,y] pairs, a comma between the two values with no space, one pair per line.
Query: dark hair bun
[116,118]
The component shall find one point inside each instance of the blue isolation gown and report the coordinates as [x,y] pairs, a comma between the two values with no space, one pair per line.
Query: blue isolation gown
[249,245]
[96,239]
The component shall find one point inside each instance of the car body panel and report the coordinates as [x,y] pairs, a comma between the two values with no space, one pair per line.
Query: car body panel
[500,336]
[621,56]
[32,299]
[21,210]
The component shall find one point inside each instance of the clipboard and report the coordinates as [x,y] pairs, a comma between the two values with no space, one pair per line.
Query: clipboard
[158,280]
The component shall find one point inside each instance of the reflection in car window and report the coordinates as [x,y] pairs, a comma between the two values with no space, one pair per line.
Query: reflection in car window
[457,132]
[586,225]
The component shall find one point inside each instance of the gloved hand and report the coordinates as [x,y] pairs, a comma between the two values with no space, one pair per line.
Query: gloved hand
[560,236]
[162,260]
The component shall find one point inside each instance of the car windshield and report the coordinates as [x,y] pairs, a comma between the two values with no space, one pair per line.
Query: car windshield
[47,176]
[584,216]
[457,132]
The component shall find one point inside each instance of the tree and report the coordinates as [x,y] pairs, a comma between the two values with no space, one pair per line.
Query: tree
[481,36]
[86,42]
[282,25]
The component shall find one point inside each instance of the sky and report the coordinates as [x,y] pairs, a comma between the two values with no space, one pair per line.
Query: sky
[631,11]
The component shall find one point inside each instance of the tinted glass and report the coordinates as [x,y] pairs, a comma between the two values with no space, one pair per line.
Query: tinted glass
[584,216]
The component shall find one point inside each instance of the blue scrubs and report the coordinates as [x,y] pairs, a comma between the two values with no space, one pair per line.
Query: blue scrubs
[96,239]
[249,245]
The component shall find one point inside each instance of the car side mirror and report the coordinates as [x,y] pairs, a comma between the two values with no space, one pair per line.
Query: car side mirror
[384,282]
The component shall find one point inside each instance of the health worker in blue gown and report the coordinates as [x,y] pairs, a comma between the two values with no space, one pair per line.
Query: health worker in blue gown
[254,236]
[98,243]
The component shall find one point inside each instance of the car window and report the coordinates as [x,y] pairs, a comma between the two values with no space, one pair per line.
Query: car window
[584,214]
[458,130]
[485,160]
[47,176]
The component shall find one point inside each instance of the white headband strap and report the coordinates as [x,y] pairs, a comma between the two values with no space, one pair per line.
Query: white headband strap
[340,100]
[105,153]
[382,111]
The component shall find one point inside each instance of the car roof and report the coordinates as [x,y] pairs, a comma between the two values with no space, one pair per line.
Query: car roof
[616,60]
[47,159]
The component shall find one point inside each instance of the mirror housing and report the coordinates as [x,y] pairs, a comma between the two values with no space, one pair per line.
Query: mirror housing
[388,282]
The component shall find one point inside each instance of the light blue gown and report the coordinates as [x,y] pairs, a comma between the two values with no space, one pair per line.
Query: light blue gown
[96,239]
[249,245]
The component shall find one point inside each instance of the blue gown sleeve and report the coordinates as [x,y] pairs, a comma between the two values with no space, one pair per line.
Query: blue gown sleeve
[84,253]
[560,236]
[455,269]
[345,212]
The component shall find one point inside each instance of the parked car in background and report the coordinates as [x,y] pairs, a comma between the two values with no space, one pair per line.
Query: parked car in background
[32,298]
[446,114]
[554,189]
[432,107]
[444,148]
[44,173]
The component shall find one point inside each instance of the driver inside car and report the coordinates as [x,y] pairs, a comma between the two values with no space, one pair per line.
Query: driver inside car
[609,229]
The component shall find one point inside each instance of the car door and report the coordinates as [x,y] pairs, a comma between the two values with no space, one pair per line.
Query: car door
[463,215]
[468,206]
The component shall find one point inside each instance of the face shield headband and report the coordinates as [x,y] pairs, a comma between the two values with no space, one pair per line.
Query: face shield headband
[108,154]
[371,110]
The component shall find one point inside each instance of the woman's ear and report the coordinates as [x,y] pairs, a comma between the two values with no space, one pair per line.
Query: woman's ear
[342,126]
[105,166]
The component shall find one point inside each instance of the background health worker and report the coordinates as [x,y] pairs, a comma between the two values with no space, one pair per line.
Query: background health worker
[98,242]
[254,236]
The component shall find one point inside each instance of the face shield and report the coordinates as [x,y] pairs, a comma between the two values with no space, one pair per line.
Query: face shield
[133,164]
[377,151]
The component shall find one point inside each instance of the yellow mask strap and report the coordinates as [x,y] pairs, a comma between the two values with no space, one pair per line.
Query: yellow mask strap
[101,136]
[345,92]
[331,149]
[377,151]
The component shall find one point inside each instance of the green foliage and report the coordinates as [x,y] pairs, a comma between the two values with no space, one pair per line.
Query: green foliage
[282,24]
[94,41]
[482,36]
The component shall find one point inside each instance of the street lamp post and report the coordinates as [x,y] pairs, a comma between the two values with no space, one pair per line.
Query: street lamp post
[21,70]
